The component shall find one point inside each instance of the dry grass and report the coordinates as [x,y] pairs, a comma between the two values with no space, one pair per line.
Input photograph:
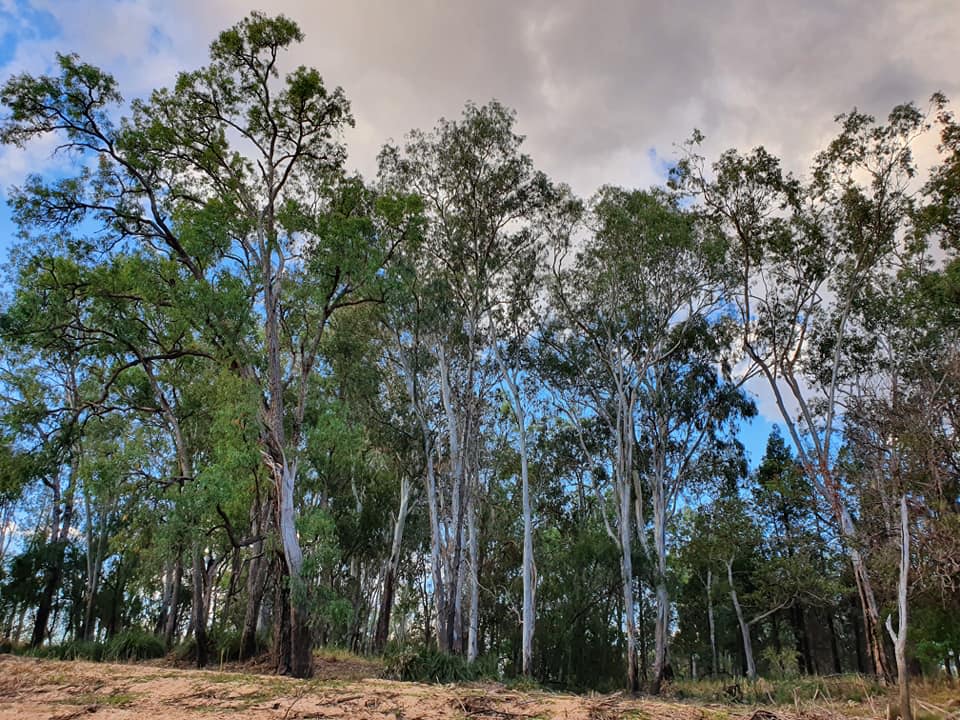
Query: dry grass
[31,689]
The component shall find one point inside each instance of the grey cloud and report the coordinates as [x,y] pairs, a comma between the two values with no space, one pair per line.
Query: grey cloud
[595,84]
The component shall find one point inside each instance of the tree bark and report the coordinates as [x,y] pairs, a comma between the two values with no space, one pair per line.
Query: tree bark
[199,609]
[59,535]
[715,667]
[626,577]
[899,636]
[170,626]
[744,626]
[473,548]
[390,572]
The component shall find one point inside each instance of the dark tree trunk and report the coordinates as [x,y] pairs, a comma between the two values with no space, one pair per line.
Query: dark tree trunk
[858,644]
[386,607]
[301,641]
[170,629]
[256,585]
[834,645]
[281,619]
[801,639]
[51,583]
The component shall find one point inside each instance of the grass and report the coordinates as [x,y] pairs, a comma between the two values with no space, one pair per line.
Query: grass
[114,699]
[841,688]
[335,654]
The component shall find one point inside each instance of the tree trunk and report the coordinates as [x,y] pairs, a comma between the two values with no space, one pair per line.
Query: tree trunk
[390,573]
[473,547]
[528,618]
[900,636]
[256,585]
[626,577]
[744,626]
[660,636]
[715,667]
[529,573]
[60,533]
[199,619]
[170,628]
[301,645]
[834,645]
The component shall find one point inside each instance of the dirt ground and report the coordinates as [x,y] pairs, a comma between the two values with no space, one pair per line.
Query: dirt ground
[56,690]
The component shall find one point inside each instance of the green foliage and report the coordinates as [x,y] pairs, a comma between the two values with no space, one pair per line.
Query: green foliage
[76,650]
[134,644]
[423,664]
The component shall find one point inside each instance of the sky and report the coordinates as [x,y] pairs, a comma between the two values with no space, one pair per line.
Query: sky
[604,90]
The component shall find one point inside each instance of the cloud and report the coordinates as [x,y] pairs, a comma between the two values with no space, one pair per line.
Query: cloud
[595,87]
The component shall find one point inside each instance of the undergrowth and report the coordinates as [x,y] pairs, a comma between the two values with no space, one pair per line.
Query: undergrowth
[431,666]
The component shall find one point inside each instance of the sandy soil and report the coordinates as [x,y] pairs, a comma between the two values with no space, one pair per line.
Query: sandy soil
[55,690]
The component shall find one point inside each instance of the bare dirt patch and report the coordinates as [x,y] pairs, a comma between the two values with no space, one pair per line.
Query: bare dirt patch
[32,689]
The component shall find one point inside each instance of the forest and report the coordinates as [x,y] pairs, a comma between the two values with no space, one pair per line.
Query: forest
[458,417]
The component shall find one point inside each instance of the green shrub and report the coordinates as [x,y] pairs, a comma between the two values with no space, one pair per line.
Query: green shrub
[185,651]
[224,645]
[134,644]
[432,666]
[78,650]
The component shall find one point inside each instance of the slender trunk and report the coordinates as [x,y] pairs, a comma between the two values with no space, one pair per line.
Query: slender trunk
[256,585]
[455,444]
[744,626]
[858,642]
[663,600]
[528,619]
[301,644]
[170,627]
[715,667]
[626,577]
[642,636]
[474,585]
[94,567]
[834,645]
[165,597]
[899,636]
[436,562]
[53,573]
[873,632]
[660,637]
[393,563]
[281,618]
[529,571]
[199,611]
[430,480]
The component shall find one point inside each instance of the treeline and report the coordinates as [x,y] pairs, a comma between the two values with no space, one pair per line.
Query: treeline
[252,401]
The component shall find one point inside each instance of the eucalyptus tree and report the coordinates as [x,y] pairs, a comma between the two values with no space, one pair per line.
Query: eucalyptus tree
[482,201]
[233,176]
[642,285]
[803,254]
[686,426]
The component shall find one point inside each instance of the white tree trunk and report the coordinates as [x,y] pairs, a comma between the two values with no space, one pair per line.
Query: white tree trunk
[626,577]
[744,625]
[473,546]
[900,636]
[715,667]
[528,618]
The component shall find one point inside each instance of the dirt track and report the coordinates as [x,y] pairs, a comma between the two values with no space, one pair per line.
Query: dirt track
[52,690]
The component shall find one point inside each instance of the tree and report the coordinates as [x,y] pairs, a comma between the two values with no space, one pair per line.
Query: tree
[483,201]
[234,176]
[803,253]
[632,298]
